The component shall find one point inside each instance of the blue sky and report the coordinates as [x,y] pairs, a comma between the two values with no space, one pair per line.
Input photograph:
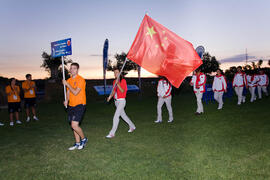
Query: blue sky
[224,28]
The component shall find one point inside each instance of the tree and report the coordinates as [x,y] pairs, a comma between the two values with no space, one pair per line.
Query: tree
[210,63]
[269,62]
[52,65]
[120,58]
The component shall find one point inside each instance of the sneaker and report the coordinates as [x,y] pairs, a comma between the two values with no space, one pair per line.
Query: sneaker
[158,121]
[110,136]
[131,130]
[169,121]
[35,118]
[83,143]
[18,122]
[28,119]
[11,123]
[75,146]
[1,124]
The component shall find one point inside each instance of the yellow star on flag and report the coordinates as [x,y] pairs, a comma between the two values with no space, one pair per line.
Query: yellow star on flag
[151,31]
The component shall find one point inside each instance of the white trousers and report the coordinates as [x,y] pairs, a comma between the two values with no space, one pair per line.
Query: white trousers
[239,93]
[219,98]
[260,89]
[160,103]
[252,93]
[199,96]
[120,111]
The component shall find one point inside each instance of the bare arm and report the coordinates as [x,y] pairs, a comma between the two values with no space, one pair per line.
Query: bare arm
[110,97]
[74,91]
[120,88]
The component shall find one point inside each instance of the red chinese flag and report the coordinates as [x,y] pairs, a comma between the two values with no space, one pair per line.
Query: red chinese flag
[162,52]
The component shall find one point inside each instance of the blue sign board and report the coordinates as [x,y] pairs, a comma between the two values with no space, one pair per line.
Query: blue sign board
[61,48]
[100,89]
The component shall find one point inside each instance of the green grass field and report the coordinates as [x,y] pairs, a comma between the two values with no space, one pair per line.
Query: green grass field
[233,143]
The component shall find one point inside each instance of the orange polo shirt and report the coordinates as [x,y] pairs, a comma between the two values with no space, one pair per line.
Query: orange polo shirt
[31,92]
[13,95]
[80,98]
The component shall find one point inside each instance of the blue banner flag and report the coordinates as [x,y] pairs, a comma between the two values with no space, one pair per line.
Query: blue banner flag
[105,53]
[61,48]
[105,61]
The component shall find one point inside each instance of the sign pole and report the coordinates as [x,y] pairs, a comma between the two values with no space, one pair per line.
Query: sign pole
[64,78]
[62,48]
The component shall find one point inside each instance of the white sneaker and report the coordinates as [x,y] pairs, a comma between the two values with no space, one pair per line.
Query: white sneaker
[244,100]
[18,122]
[1,124]
[131,130]
[110,136]
[75,146]
[239,103]
[28,119]
[169,121]
[35,118]
[158,121]
[11,123]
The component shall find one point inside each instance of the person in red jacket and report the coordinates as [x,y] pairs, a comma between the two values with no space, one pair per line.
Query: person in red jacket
[119,95]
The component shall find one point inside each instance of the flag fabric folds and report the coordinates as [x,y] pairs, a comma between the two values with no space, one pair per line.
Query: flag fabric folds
[162,52]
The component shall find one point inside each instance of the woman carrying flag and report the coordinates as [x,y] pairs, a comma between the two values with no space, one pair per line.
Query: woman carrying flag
[119,94]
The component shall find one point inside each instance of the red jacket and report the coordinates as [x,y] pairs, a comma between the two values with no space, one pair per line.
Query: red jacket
[119,94]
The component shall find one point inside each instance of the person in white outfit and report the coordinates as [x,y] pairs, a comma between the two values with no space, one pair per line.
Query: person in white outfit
[252,80]
[198,82]
[219,87]
[164,89]
[239,81]
[262,84]
[119,95]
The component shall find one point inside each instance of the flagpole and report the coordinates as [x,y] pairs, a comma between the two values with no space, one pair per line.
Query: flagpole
[64,78]
[118,76]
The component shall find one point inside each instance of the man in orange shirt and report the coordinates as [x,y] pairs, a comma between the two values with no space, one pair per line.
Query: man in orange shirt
[14,101]
[29,89]
[76,101]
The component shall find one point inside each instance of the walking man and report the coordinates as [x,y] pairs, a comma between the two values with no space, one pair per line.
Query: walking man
[76,101]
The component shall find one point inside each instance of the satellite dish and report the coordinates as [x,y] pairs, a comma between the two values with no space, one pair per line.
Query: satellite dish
[200,51]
